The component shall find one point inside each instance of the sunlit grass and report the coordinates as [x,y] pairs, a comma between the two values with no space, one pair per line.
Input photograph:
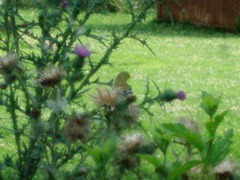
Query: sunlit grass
[191,58]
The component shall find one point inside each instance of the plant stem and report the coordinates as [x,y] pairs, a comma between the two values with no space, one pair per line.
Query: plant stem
[7,25]
[210,143]
[15,124]
[14,31]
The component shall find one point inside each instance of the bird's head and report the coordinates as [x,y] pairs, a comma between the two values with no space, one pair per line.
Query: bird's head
[124,75]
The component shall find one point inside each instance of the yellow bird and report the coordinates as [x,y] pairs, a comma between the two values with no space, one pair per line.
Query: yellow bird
[120,84]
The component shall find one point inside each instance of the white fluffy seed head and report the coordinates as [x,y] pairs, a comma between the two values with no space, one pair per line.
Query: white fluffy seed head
[131,144]
[226,166]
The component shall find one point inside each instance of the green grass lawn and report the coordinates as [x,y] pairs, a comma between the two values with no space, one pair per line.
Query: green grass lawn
[186,58]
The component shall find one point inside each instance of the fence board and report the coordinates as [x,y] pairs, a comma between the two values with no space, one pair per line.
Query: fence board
[215,13]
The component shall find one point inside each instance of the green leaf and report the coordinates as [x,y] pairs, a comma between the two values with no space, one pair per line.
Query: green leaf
[110,147]
[162,140]
[8,162]
[219,118]
[176,171]
[209,104]
[1,135]
[180,131]
[101,155]
[155,161]
[94,153]
[212,126]
[220,149]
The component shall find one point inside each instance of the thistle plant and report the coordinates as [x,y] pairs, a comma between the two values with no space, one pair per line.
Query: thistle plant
[197,154]
[46,127]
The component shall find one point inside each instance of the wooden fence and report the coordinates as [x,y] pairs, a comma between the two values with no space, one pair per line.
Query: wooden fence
[214,13]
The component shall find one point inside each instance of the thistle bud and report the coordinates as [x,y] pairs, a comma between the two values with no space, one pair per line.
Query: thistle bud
[51,76]
[3,85]
[106,97]
[82,51]
[131,144]
[128,146]
[35,113]
[131,98]
[226,170]
[169,95]
[83,170]
[10,63]
[127,162]
[64,4]
[77,128]
[181,95]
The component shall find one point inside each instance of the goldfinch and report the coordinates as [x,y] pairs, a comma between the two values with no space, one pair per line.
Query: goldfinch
[120,84]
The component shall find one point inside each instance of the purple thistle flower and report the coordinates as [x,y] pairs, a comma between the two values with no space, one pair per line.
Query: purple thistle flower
[82,51]
[181,95]
[83,170]
[64,5]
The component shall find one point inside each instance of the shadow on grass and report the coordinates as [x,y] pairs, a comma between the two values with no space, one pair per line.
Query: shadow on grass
[167,29]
